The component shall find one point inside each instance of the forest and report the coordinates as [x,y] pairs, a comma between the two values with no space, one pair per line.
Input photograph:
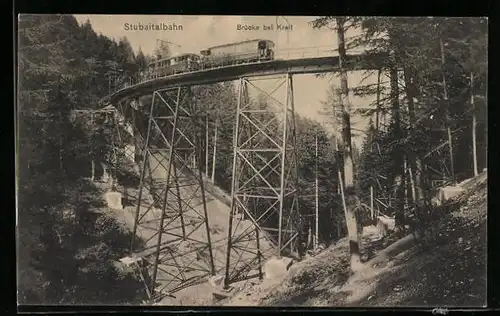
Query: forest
[428,128]
[65,249]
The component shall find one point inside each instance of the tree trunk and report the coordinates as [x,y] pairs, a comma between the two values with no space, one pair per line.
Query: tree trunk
[414,157]
[377,113]
[406,191]
[412,185]
[448,118]
[316,194]
[485,123]
[339,232]
[372,213]
[474,122]
[398,153]
[215,150]
[206,145]
[61,148]
[310,238]
[348,188]
[330,237]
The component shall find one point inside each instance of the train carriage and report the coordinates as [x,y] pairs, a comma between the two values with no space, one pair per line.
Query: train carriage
[235,53]
[229,54]
[176,64]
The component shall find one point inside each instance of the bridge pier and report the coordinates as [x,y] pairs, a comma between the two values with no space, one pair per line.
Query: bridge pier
[265,182]
[173,219]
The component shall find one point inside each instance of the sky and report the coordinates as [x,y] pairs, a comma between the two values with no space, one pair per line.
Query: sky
[200,32]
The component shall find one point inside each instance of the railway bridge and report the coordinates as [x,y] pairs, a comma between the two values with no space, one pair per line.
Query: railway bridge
[174,213]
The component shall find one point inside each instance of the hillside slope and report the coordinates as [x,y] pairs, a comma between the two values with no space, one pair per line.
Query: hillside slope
[192,252]
[448,270]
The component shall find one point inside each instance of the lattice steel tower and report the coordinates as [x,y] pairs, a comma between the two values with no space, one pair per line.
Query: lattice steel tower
[171,214]
[265,179]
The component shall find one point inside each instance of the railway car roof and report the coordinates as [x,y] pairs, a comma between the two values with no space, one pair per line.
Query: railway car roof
[247,41]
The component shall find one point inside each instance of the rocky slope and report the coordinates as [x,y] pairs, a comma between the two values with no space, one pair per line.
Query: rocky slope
[449,269]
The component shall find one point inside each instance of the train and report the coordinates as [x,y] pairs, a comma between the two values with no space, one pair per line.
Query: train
[229,54]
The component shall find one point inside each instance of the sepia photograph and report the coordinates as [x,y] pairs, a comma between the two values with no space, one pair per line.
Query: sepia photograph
[198,160]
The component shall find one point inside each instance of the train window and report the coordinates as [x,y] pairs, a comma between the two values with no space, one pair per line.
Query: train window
[262,44]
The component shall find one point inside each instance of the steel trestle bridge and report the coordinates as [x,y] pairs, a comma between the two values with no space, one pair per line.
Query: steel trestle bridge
[171,215]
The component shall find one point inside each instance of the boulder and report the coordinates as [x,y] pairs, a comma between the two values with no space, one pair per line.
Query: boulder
[446,193]
[127,264]
[389,222]
[450,192]
[129,261]
[277,267]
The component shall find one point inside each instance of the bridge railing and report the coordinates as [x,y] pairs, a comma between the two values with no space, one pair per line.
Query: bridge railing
[311,52]
[300,54]
[284,54]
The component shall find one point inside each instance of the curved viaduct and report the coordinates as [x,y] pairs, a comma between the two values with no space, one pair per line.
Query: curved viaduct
[228,73]
[181,253]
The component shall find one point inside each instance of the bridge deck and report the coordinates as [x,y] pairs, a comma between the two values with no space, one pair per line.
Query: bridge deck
[229,73]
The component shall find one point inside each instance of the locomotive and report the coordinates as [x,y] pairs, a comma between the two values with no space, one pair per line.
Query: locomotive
[229,54]
[236,53]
